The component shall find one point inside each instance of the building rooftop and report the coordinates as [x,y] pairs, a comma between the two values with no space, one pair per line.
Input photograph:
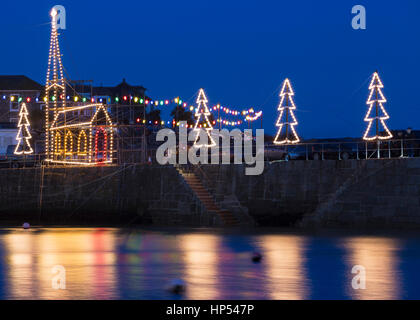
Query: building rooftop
[12,82]
[122,89]
[23,83]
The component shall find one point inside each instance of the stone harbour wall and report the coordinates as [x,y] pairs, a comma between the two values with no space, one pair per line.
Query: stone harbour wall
[352,194]
[366,193]
[116,195]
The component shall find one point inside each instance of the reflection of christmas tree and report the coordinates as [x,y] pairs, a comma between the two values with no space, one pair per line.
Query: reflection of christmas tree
[287,120]
[202,114]
[376,112]
[23,133]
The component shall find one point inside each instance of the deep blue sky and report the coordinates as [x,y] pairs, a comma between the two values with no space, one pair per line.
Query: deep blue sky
[239,51]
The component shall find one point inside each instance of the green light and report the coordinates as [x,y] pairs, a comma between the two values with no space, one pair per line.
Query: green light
[116,99]
[53,98]
[84,99]
[141,100]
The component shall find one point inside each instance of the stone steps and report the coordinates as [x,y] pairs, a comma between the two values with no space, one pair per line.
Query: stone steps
[207,199]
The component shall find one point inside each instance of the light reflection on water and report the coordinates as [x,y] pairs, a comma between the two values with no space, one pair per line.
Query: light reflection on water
[285,272]
[379,257]
[201,256]
[139,264]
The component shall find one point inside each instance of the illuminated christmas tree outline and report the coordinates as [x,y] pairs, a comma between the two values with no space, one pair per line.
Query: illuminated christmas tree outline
[286,110]
[203,110]
[376,98]
[23,133]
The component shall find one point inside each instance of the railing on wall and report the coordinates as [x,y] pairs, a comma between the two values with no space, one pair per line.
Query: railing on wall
[345,150]
[133,150]
[15,162]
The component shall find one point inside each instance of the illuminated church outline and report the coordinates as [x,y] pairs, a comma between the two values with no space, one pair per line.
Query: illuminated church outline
[79,135]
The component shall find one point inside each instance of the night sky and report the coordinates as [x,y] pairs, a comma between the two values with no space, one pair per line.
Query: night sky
[239,51]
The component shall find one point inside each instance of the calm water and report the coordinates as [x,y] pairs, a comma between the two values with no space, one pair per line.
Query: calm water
[127,264]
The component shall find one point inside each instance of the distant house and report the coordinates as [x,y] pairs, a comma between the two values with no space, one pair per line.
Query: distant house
[408,133]
[123,94]
[17,89]
[121,90]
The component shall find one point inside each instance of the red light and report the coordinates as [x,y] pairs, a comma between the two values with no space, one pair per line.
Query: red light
[105,145]
[156,122]
[28,99]
[125,98]
[138,119]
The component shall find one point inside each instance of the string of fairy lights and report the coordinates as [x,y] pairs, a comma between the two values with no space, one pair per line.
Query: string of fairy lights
[247,115]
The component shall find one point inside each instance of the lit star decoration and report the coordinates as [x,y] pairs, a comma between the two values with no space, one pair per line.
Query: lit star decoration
[255,117]
[379,114]
[202,111]
[23,133]
[286,121]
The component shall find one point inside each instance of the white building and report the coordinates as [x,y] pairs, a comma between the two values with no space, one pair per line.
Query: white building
[8,132]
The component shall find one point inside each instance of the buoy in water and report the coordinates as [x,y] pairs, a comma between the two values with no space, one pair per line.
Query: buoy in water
[26,225]
[256,257]
[177,286]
